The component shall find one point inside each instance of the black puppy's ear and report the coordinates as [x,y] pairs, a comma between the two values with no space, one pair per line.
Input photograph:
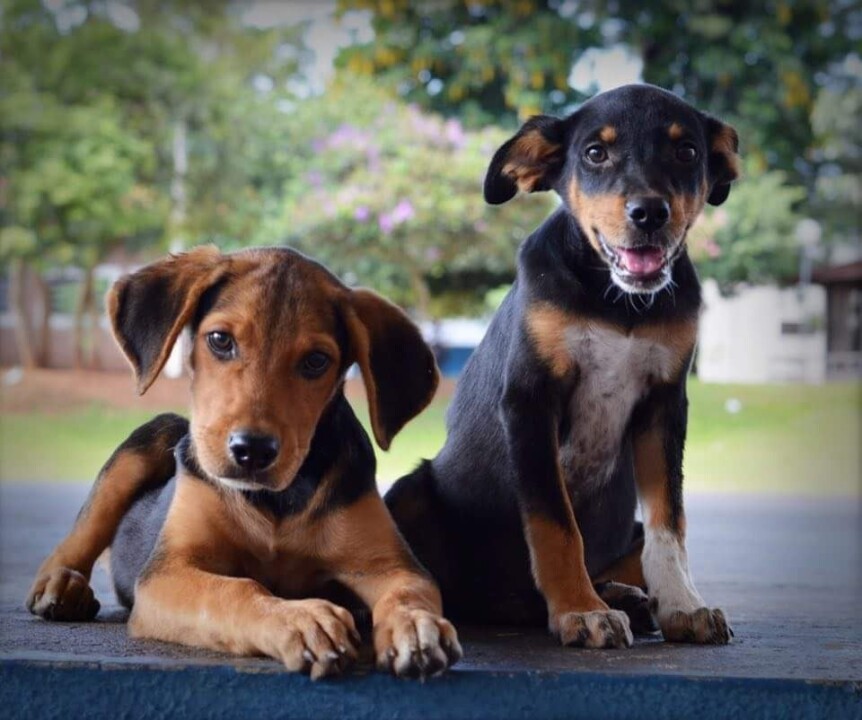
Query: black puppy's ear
[149,308]
[530,161]
[723,160]
[398,368]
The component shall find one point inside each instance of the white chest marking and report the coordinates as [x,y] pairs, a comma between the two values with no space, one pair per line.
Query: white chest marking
[615,372]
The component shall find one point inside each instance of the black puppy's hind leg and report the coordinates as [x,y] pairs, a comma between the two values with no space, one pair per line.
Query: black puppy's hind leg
[416,508]
[145,460]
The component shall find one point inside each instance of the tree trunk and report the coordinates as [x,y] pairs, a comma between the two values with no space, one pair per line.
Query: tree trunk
[93,359]
[81,312]
[422,295]
[44,291]
[18,302]
[177,222]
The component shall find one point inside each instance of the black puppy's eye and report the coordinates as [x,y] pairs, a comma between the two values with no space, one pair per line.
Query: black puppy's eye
[314,365]
[596,154]
[686,153]
[222,344]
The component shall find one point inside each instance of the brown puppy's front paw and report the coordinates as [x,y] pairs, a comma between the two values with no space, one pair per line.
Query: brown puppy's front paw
[415,643]
[705,626]
[594,629]
[313,636]
[62,594]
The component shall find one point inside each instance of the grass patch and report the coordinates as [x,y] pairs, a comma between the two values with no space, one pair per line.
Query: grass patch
[787,439]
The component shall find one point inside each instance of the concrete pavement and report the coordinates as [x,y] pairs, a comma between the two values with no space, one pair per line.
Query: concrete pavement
[788,572]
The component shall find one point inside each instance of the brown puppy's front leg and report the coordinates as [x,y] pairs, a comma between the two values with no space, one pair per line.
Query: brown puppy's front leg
[575,612]
[177,602]
[658,445]
[366,553]
[61,589]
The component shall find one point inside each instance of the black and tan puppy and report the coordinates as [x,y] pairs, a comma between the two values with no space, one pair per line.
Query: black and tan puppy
[574,404]
[228,532]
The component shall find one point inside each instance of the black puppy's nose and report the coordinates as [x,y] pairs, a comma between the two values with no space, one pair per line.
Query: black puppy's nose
[648,213]
[251,451]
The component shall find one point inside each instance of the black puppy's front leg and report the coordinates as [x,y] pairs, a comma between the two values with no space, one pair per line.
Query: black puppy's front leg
[659,437]
[575,612]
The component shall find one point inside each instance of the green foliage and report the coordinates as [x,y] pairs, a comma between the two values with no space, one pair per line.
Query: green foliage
[90,113]
[392,196]
[486,62]
[751,238]
[756,65]
[838,188]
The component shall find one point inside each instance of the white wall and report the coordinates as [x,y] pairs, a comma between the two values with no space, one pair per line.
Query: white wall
[741,337]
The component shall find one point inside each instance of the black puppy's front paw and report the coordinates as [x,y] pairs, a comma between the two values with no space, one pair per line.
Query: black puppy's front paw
[633,601]
[706,626]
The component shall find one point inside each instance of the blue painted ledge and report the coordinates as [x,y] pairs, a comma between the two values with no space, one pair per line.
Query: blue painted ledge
[31,690]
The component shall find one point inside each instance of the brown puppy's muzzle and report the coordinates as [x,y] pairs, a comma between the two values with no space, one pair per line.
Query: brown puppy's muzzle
[252,452]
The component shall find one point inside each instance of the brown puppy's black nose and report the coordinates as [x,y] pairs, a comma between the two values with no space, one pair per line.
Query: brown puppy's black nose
[251,451]
[648,213]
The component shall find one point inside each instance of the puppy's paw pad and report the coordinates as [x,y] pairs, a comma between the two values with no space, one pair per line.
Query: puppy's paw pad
[416,643]
[706,626]
[63,594]
[594,629]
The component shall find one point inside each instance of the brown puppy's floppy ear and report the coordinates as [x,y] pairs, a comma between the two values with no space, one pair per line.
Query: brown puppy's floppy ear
[398,368]
[149,308]
[530,161]
[723,160]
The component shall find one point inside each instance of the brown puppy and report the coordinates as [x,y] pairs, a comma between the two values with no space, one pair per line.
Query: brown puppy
[228,532]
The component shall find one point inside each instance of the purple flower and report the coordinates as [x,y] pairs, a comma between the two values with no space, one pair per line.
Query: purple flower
[385,223]
[454,133]
[403,212]
[314,178]
[362,213]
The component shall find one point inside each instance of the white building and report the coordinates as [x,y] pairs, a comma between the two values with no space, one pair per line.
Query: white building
[763,334]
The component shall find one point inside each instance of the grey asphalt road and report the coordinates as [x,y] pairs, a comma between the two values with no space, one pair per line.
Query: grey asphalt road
[788,572]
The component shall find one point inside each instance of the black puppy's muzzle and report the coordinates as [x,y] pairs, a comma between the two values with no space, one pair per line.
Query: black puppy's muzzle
[648,213]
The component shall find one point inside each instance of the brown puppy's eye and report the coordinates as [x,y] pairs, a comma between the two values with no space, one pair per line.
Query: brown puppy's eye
[222,344]
[596,154]
[686,153]
[314,365]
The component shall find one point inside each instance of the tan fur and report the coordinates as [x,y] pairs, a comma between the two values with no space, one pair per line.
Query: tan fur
[528,159]
[608,134]
[651,476]
[548,326]
[726,142]
[557,561]
[226,574]
[628,570]
[679,337]
[605,213]
[675,131]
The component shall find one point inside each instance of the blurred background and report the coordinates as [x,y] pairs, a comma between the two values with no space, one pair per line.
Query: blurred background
[359,131]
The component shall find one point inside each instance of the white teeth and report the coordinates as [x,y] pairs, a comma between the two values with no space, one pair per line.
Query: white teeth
[240,484]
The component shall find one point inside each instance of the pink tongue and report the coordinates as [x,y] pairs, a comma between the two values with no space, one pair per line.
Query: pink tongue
[643,261]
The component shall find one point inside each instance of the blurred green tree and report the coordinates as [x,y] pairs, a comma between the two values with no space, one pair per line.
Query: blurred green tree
[484,61]
[752,237]
[391,197]
[756,65]
[123,129]
[837,197]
